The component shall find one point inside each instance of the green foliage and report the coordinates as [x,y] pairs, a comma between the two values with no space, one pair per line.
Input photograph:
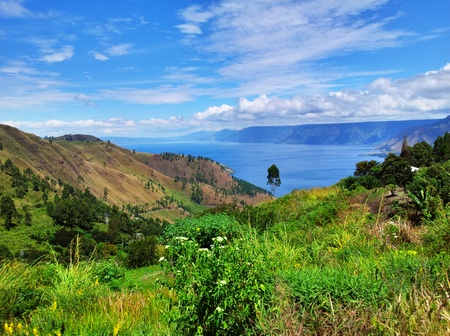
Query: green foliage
[421,154]
[142,252]
[441,148]
[202,230]
[323,288]
[396,170]
[273,178]
[221,290]
[7,211]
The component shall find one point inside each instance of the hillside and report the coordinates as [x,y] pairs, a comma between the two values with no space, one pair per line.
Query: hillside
[364,133]
[427,133]
[123,177]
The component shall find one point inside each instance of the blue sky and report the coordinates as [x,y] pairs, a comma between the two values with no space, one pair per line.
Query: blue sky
[153,68]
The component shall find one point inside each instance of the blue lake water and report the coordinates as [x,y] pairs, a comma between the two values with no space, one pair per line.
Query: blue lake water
[301,166]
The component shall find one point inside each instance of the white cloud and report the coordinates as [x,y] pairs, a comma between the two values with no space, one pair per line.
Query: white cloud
[116,50]
[119,50]
[422,96]
[63,54]
[279,46]
[82,98]
[194,16]
[189,28]
[98,56]
[13,8]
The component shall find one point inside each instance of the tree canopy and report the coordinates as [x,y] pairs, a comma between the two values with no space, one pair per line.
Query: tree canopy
[273,178]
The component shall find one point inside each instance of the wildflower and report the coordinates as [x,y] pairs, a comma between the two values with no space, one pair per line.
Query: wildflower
[35,332]
[167,247]
[19,327]
[219,239]
[9,328]
[116,329]
[222,282]
[181,238]
[54,306]
[219,309]
[162,259]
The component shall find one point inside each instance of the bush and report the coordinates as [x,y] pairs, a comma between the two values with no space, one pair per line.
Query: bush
[220,290]
[142,252]
[202,230]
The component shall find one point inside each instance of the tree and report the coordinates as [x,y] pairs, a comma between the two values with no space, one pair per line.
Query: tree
[441,148]
[142,252]
[273,178]
[396,171]
[405,149]
[7,210]
[421,154]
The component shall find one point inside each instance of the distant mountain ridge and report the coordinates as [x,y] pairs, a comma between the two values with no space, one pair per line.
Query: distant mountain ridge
[361,133]
[385,135]
[427,133]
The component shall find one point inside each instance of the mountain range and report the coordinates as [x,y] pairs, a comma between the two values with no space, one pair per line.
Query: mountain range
[384,135]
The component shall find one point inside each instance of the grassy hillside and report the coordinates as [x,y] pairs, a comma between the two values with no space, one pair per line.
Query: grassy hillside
[318,262]
[123,177]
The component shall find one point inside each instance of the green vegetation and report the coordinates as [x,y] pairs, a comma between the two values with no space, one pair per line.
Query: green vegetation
[273,178]
[368,256]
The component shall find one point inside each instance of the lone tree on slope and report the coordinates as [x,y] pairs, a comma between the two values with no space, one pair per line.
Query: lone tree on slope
[273,178]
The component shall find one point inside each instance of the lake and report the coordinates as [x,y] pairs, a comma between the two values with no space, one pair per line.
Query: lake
[301,166]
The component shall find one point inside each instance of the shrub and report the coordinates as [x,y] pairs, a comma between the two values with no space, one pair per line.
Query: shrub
[220,290]
[142,252]
[202,230]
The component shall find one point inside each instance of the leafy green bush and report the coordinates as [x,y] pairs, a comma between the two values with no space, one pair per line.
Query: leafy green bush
[202,230]
[220,290]
[110,273]
[142,252]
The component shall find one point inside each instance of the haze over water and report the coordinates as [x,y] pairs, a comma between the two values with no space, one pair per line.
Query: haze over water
[301,166]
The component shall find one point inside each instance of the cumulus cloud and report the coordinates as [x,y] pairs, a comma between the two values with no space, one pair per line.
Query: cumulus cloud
[422,96]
